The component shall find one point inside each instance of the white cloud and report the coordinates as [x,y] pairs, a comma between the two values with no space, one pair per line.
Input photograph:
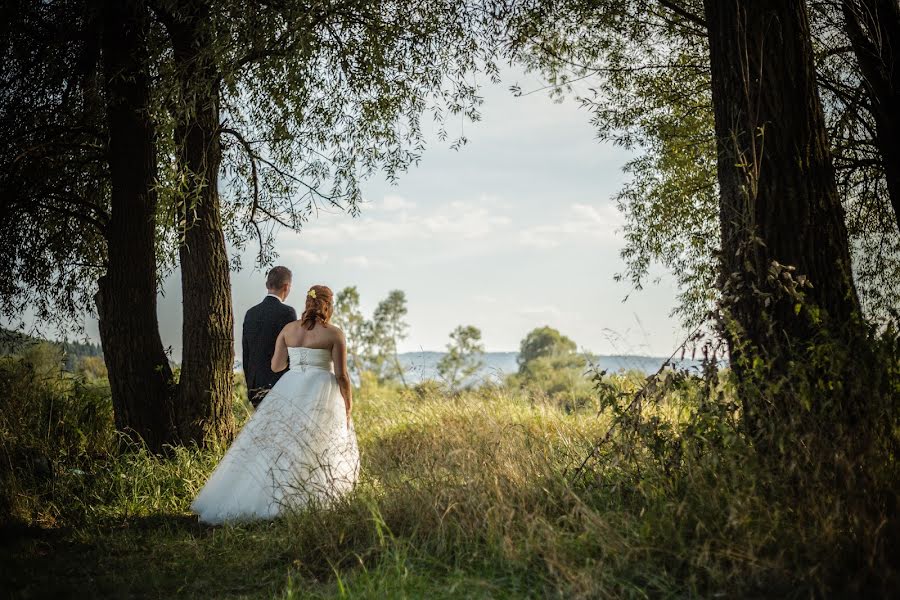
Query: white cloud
[364,262]
[542,237]
[393,203]
[606,216]
[583,221]
[451,221]
[465,220]
[306,256]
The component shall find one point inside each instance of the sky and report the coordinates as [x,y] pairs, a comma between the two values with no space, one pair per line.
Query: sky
[515,230]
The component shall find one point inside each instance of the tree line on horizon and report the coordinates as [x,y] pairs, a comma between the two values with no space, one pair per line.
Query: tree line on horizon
[372,347]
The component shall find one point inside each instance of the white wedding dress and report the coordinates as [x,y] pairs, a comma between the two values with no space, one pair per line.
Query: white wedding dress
[297,448]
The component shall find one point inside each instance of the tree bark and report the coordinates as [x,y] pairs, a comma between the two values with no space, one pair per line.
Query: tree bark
[139,373]
[873,27]
[781,218]
[203,411]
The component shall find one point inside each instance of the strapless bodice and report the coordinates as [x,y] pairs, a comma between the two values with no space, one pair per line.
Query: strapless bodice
[304,358]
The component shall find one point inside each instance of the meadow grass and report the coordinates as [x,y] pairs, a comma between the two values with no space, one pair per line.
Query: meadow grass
[460,496]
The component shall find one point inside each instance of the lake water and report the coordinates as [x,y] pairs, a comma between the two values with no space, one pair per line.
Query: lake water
[423,365]
[419,366]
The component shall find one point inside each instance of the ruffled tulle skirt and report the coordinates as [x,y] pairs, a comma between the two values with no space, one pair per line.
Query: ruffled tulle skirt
[295,450]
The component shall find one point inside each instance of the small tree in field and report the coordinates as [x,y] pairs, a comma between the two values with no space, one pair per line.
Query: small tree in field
[546,342]
[385,332]
[463,358]
[349,317]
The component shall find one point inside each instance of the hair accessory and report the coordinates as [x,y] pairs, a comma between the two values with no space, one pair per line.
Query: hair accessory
[311,293]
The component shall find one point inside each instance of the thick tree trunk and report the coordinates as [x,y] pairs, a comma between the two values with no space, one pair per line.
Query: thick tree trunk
[781,218]
[139,373]
[203,410]
[873,27]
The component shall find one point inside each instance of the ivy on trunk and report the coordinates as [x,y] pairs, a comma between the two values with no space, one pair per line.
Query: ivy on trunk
[792,316]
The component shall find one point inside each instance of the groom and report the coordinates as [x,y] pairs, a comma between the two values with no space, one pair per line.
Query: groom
[262,324]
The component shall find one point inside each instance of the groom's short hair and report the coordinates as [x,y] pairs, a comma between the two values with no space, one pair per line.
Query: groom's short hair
[278,277]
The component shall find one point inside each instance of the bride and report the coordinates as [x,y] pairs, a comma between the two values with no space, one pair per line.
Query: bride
[300,445]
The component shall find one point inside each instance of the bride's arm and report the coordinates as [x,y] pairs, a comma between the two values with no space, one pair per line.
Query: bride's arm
[339,356]
[280,358]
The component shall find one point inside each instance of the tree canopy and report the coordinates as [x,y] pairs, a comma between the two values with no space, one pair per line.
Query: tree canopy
[463,357]
[646,64]
[544,342]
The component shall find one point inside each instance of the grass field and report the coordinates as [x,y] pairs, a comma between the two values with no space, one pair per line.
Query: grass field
[460,496]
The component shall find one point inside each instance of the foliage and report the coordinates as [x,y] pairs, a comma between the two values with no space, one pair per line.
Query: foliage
[315,98]
[349,317]
[550,367]
[463,357]
[53,181]
[546,342]
[372,343]
[560,379]
[61,456]
[386,330]
[647,66]
[52,423]
[78,356]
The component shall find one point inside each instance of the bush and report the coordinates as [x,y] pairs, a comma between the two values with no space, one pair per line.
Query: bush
[558,379]
[52,423]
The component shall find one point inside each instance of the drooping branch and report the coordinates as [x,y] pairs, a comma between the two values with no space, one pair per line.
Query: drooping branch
[683,12]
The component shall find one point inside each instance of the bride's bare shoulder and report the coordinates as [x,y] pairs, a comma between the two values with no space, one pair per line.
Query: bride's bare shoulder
[334,330]
[291,327]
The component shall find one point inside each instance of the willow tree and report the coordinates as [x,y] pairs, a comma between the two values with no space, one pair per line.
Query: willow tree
[289,105]
[798,345]
[139,373]
[641,67]
[293,103]
[873,28]
[79,188]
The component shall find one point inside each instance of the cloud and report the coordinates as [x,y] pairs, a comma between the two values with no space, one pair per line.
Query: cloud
[306,256]
[451,221]
[583,221]
[393,203]
[606,216]
[364,262]
[465,220]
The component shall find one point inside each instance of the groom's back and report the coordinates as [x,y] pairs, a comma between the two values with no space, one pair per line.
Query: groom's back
[262,324]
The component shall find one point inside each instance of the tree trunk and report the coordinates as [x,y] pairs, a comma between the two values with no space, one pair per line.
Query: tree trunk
[203,411]
[139,373]
[781,218]
[873,27]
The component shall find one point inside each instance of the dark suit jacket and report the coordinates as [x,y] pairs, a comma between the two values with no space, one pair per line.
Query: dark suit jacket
[262,324]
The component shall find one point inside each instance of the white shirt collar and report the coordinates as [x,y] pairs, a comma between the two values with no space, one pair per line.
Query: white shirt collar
[274,296]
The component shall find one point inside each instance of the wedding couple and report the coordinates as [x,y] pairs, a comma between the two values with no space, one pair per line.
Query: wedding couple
[299,446]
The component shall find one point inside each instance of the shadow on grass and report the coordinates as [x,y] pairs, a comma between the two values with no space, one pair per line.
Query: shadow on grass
[160,556]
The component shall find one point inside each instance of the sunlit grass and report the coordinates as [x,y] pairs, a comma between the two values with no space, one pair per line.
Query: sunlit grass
[460,496]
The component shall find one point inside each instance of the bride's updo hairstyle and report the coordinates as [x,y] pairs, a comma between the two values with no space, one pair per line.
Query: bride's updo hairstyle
[319,306]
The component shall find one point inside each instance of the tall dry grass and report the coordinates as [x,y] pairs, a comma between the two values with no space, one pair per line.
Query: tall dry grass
[468,495]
